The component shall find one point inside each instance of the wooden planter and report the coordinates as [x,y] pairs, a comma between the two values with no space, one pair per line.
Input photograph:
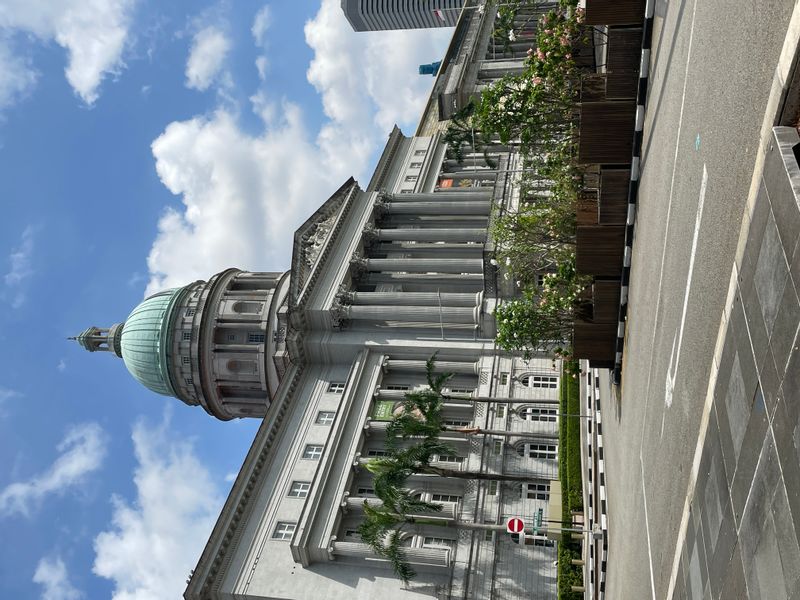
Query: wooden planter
[606,132]
[614,12]
[594,342]
[599,250]
[613,203]
[622,66]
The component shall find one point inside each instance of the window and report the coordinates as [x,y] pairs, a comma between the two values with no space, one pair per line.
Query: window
[299,489]
[397,387]
[501,411]
[378,453]
[325,417]
[189,381]
[540,542]
[537,491]
[186,360]
[366,491]
[538,450]
[457,423]
[231,337]
[247,307]
[497,446]
[488,536]
[444,498]
[492,488]
[283,530]
[336,387]
[352,535]
[419,152]
[437,542]
[187,336]
[411,178]
[465,391]
[416,165]
[538,413]
[190,312]
[449,458]
[312,452]
[539,381]
[503,378]
[406,191]
[255,338]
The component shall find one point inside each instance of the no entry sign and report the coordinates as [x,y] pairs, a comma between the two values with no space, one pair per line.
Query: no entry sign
[515,525]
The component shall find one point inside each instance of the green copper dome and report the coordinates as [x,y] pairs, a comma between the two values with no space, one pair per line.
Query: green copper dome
[146,338]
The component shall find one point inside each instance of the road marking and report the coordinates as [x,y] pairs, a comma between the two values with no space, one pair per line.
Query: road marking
[669,207]
[647,530]
[697,143]
[672,373]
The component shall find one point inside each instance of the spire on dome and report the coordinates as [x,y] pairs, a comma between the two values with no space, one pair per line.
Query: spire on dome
[96,339]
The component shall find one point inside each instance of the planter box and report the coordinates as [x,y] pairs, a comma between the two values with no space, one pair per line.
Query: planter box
[606,132]
[614,12]
[599,250]
[594,341]
[605,301]
[622,65]
[614,187]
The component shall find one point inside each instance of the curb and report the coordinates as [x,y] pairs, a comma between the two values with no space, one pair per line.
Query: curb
[633,190]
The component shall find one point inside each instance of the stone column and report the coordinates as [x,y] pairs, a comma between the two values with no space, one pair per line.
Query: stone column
[426,265]
[457,195]
[450,207]
[416,299]
[441,366]
[422,314]
[431,234]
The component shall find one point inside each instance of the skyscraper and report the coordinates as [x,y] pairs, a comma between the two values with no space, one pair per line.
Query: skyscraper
[377,15]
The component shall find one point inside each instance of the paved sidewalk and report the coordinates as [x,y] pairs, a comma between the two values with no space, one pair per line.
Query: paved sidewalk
[741,537]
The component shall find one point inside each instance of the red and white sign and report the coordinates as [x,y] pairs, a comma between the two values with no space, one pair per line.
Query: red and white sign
[515,525]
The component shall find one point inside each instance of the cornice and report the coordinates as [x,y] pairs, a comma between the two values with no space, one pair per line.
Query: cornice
[207,576]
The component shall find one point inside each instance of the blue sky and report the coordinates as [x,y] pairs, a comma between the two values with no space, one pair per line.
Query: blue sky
[143,145]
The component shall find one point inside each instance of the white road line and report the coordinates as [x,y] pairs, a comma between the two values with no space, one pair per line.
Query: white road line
[669,207]
[671,374]
[647,529]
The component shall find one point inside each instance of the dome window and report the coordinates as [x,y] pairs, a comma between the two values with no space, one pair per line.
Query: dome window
[251,308]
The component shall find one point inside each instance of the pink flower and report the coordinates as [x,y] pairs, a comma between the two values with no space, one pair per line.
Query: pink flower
[530,51]
[547,54]
[568,56]
[564,40]
[537,80]
[539,54]
[548,31]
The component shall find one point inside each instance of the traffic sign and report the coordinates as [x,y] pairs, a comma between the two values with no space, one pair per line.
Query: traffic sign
[515,525]
[537,522]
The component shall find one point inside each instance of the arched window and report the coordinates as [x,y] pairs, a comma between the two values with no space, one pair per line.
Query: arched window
[539,381]
[546,414]
[252,308]
[538,449]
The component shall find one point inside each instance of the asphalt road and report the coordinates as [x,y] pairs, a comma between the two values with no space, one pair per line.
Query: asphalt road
[711,70]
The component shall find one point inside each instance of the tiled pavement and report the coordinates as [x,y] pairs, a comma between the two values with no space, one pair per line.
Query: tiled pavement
[744,524]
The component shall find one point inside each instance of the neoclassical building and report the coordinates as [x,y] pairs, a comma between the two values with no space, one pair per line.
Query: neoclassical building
[382,277]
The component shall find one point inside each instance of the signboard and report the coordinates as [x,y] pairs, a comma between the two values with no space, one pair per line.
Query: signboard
[383,409]
[537,522]
[445,183]
[515,525]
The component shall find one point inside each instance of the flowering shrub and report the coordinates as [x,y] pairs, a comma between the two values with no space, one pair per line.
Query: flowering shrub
[541,320]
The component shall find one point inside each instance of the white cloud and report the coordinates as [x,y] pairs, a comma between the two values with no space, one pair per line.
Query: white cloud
[154,541]
[93,32]
[17,76]
[210,47]
[81,452]
[6,394]
[51,574]
[243,194]
[61,366]
[261,22]
[20,269]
